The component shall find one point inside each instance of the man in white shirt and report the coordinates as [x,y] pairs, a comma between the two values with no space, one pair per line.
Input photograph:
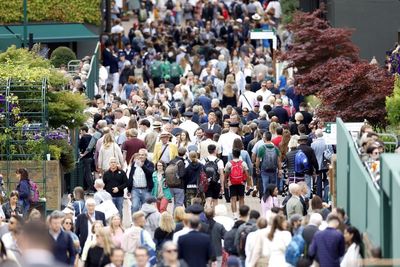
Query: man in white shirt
[188,125]
[264,92]
[203,146]
[246,100]
[226,140]
[186,229]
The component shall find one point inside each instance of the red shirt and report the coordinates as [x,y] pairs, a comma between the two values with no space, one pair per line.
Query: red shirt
[132,146]
[277,140]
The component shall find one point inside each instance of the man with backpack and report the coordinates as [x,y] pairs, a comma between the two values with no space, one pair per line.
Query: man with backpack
[214,169]
[236,173]
[305,163]
[174,175]
[229,237]
[268,162]
[242,233]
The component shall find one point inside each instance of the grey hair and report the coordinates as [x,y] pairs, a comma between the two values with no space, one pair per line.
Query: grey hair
[56,215]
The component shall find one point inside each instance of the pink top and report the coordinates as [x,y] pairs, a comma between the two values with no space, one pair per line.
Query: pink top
[117,237]
[269,204]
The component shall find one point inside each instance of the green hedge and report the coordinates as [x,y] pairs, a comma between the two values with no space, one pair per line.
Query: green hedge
[82,11]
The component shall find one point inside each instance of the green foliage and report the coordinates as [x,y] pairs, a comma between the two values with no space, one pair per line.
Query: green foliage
[23,65]
[66,108]
[289,7]
[393,104]
[61,56]
[66,156]
[87,11]
[36,147]
[55,152]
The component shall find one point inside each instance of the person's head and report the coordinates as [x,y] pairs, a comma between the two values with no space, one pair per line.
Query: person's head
[315,219]
[333,220]
[139,219]
[160,166]
[193,156]
[212,118]
[293,143]
[144,125]
[68,224]
[235,153]
[22,174]
[14,197]
[167,223]
[244,211]
[35,235]
[15,223]
[169,252]
[55,221]
[182,151]
[179,214]
[103,239]
[373,152]
[238,143]
[164,137]
[294,189]
[271,191]
[194,222]
[90,205]
[352,235]
[79,193]
[141,256]
[279,130]
[295,221]
[267,136]
[316,203]
[35,216]
[212,149]
[262,223]
[99,184]
[254,215]
[96,226]
[117,257]
[303,188]
[142,154]
[113,163]
[278,223]
[115,222]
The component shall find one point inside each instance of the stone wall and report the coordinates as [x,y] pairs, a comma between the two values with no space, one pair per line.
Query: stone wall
[53,179]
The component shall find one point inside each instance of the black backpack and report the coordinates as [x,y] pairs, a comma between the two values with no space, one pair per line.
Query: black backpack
[169,5]
[211,170]
[229,241]
[238,11]
[248,228]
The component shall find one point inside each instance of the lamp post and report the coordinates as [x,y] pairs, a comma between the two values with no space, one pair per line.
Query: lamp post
[25,42]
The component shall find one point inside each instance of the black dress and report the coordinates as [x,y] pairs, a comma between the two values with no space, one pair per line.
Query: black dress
[228,100]
[96,257]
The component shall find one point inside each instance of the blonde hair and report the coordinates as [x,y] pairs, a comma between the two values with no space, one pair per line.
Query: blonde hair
[273,126]
[167,223]
[193,156]
[179,214]
[112,229]
[108,140]
[107,242]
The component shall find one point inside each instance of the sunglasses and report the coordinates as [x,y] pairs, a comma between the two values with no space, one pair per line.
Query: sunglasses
[68,223]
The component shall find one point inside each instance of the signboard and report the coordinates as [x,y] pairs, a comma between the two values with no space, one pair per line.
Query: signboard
[264,34]
[330,131]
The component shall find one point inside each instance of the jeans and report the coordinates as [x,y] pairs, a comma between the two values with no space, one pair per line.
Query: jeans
[87,173]
[179,196]
[268,178]
[309,181]
[118,203]
[138,198]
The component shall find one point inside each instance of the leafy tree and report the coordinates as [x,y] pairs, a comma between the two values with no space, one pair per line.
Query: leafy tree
[328,66]
[289,7]
[393,104]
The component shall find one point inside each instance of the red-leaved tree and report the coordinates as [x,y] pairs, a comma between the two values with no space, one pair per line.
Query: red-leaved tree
[328,66]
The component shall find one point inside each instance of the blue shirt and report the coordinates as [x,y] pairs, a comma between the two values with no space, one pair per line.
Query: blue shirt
[328,246]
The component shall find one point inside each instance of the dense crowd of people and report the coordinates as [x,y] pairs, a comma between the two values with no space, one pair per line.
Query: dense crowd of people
[190,115]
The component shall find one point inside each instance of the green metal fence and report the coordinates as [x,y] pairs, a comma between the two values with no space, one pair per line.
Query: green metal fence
[373,208]
[93,75]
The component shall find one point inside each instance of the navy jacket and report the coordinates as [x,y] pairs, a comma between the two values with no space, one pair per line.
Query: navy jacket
[148,168]
[109,60]
[195,248]
[81,225]
[64,250]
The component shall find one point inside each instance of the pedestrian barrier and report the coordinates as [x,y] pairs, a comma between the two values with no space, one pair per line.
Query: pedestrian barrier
[372,207]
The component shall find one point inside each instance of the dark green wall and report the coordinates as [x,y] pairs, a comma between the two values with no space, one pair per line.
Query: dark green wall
[376,24]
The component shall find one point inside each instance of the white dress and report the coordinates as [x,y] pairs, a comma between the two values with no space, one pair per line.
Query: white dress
[278,247]
[352,256]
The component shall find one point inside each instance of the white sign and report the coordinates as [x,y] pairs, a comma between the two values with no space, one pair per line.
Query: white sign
[265,35]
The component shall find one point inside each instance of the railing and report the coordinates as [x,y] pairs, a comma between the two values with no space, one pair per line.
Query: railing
[372,209]
[93,75]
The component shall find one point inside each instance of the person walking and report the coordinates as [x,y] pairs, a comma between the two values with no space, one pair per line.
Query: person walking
[115,181]
[24,190]
[169,254]
[328,246]
[108,150]
[160,190]
[280,239]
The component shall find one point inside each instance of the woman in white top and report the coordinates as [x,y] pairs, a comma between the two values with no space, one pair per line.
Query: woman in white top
[353,255]
[280,239]
[251,239]
[108,150]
